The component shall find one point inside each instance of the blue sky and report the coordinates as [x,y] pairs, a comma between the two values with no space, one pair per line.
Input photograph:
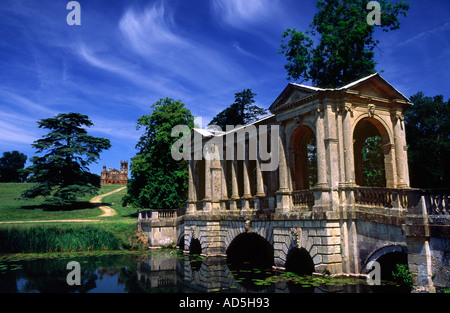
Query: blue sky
[128,54]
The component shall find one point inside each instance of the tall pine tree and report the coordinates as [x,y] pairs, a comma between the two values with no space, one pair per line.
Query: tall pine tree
[61,173]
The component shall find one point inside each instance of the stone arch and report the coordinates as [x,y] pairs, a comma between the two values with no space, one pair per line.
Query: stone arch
[263,229]
[364,128]
[303,174]
[194,236]
[180,238]
[249,249]
[383,251]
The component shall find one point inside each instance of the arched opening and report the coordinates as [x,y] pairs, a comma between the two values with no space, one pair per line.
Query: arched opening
[389,258]
[303,151]
[370,137]
[299,261]
[250,250]
[195,247]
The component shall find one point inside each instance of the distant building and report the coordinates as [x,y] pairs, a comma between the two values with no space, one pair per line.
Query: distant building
[114,176]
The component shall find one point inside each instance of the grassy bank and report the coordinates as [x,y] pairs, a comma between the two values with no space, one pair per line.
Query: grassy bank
[39,239]
[94,233]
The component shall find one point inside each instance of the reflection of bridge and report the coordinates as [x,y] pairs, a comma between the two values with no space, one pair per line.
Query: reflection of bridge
[313,201]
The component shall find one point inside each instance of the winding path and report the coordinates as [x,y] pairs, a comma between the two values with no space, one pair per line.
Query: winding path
[107,211]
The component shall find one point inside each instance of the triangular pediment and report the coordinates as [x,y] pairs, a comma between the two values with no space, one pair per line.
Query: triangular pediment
[375,86]
[293,93]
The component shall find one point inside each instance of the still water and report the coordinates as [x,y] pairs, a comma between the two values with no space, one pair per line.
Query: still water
[162,271]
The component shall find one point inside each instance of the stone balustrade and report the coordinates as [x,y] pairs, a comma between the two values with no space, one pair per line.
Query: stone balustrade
[303,199]
[381,197]
[437,201]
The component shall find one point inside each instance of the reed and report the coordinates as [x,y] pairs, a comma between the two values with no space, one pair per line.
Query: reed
[43,239]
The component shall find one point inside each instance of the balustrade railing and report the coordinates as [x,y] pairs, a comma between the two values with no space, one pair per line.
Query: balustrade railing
[381,197]
[303,199]
[437,201]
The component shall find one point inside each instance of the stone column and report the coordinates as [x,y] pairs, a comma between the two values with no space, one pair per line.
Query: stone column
[234,185]
[400,156]
[207,199]
[283,193]
[331,146]
[321,153]
[348,145]
[191,196]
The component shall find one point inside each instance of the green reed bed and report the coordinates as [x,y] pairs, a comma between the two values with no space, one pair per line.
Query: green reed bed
[70,238]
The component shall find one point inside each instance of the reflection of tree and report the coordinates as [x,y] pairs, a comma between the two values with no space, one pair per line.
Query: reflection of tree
[50,276]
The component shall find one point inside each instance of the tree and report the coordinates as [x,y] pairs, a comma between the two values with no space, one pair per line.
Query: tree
[157,180]
[428,136]
[62,174]
[345,49]
[373,163]
[241,112]
[10,165]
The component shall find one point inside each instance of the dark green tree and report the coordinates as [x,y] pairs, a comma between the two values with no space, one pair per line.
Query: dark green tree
[61,173]
[344,48]
[241,112]
[11,165]
[157,180]
[373,163]
[427,124]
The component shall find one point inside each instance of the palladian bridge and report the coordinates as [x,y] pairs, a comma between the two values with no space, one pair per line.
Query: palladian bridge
[311,212]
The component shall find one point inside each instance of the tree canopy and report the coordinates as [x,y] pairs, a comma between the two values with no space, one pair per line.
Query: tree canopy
[10,165]
[427,124]
[241,112]
[61,173]
[157,180]
[344,49]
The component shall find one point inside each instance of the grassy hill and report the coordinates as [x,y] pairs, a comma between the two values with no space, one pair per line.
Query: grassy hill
[26,222]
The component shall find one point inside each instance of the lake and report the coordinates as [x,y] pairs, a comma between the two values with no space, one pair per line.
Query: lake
[164,271]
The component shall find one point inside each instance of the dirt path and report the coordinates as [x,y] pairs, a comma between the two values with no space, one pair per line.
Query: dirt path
[106,209]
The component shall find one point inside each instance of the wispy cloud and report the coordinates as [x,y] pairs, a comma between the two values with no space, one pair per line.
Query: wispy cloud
[237,13]
[153,34]
[426,34]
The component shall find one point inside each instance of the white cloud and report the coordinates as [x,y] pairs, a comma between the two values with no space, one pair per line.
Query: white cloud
[174,52]
[238,13]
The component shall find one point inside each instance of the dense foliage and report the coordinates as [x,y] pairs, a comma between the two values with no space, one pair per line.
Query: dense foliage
[428,136]
[11,165]
[157,180]
[344,49]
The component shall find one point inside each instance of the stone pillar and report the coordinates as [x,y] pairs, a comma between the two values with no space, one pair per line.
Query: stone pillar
[283,194]
[417,232]
[348,145]
[191,197]
[331,146]
[321,152]
[207,199]
[400,155]
[234,185]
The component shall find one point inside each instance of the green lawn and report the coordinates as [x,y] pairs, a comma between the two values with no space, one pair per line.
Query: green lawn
[31,210]
[122,225]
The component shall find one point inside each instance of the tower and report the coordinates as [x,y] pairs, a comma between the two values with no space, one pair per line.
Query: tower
[124,171]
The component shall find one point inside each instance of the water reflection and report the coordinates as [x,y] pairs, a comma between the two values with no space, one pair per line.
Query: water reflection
[161,271]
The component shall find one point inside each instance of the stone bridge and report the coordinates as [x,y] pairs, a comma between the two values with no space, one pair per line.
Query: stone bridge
[311,212]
